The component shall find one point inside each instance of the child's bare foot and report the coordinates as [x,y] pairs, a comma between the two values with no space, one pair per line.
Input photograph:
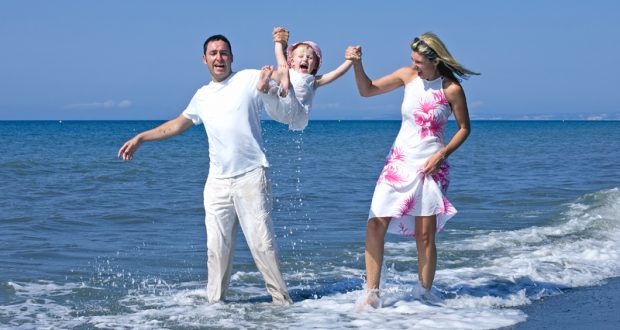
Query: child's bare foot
[263,81]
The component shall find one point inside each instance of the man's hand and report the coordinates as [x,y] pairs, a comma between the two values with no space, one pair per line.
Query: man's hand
[280,35]
[128,149]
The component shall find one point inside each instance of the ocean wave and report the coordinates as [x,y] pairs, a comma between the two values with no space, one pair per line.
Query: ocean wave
[488,276]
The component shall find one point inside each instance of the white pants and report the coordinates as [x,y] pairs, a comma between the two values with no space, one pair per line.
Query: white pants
[246,200]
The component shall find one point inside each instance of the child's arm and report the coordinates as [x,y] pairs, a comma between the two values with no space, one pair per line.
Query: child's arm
[280,38]
[333,75]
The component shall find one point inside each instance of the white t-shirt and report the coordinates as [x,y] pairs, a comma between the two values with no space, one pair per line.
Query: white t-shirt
[230,111]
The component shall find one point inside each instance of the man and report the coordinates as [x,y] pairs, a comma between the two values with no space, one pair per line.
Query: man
[237,190]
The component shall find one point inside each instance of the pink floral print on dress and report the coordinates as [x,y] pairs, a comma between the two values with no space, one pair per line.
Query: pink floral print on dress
[442,176]
[390,172]
[445,206]
[406,206]
[440,97]
[404,231]
[403,192]
[430,123]
[424,117]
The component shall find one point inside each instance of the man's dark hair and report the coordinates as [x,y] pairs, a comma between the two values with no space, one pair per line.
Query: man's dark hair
[216,38]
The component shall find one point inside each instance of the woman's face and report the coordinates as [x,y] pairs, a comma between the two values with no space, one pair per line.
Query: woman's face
[426,68]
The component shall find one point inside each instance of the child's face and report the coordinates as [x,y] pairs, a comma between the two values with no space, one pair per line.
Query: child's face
[303,59]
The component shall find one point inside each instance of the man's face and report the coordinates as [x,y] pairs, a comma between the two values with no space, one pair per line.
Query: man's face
[219,59]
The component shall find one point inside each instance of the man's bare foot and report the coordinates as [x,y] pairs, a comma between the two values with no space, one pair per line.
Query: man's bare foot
[263,81]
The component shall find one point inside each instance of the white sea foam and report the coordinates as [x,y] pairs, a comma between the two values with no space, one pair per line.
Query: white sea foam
[582,249]
[493,274]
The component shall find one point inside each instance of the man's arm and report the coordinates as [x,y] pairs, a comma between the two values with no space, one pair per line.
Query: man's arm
[166,130]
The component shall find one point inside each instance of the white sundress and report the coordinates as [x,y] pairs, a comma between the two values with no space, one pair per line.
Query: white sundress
[403,191]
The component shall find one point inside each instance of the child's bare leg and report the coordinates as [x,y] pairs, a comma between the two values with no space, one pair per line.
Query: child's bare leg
[263,81]
[284,79]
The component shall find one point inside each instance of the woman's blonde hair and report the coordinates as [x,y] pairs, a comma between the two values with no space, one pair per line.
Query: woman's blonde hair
[429,45]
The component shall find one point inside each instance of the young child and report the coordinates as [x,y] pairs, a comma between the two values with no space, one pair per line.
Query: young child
[299,71]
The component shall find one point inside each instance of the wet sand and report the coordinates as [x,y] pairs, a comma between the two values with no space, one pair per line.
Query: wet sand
[596,307]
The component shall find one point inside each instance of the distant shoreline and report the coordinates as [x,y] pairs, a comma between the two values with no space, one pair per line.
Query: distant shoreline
[314,120]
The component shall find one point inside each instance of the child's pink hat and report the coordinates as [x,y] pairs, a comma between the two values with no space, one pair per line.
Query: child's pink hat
[315,48]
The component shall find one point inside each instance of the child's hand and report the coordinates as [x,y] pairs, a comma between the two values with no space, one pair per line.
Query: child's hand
[353,53]
[280,35]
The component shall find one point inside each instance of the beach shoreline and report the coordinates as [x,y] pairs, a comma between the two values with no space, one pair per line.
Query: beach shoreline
[595,307]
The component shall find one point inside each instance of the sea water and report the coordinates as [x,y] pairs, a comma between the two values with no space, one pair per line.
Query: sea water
[90,241]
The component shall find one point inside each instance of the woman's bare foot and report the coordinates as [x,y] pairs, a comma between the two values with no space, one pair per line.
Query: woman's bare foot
[369,299]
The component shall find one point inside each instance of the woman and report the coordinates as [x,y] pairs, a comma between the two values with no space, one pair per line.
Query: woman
[409,198]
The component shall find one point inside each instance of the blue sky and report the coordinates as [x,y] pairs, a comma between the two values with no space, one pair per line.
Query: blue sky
[141,59]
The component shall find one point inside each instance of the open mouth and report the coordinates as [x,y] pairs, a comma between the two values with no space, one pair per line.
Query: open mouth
[303,66]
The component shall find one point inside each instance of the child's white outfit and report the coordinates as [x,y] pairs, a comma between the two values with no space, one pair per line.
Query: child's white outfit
[293,109]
